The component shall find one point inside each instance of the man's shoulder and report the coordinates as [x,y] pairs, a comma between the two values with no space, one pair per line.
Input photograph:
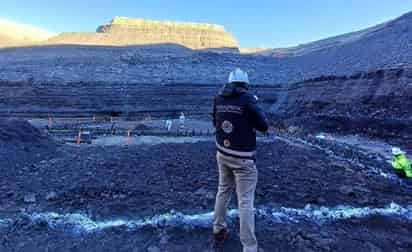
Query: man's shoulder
[245,98]
[250,98]
[218,98]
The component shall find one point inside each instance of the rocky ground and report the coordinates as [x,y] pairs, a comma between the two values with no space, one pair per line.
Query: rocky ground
[314,193]
[21,143]
[312,196]
[82,99]
[376,103]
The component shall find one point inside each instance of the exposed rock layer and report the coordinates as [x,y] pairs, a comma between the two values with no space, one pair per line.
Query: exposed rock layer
[377,103]
[127,31]
[82,98]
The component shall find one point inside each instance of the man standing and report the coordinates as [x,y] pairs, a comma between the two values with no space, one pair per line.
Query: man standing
[182,119]
[236,117]
[168,125]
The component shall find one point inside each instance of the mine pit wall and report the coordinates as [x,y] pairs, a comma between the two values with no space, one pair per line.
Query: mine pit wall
[133,100]
[377,103]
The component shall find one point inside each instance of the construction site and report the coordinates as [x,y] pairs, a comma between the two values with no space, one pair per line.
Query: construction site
[113,147]
[72,183]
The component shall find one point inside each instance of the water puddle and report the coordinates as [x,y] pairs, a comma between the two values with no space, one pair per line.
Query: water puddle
[155,140]
[370,145]
[146,140]
[300,143]
[78,223]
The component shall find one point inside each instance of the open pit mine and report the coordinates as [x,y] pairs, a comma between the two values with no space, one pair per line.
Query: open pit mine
[107,141]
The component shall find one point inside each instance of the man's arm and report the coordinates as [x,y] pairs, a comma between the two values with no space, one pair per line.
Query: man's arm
[406,166]
[395,164]
[257,116]
[408,172]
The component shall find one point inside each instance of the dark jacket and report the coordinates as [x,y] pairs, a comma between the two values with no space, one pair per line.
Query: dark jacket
[236,117]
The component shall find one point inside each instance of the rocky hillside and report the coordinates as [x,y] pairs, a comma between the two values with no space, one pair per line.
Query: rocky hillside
[6,40]
[382,34]
[12,34]
[257,50]
[384,46]
[126,99]
[150,64]
[128,31]
[376,103]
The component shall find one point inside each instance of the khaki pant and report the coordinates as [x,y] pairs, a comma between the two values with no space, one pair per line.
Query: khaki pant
[239,174]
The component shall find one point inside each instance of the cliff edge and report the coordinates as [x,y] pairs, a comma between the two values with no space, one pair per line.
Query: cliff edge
[123,31]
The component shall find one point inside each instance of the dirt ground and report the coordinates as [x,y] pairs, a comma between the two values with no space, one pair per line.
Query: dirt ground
[119,182]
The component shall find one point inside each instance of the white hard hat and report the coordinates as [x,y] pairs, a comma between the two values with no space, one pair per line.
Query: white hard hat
[397,151]
[239,76]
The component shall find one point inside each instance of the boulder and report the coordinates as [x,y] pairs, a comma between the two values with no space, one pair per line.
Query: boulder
[30,198]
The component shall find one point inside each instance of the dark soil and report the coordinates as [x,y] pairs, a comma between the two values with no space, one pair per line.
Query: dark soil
[22,144]
[145,181]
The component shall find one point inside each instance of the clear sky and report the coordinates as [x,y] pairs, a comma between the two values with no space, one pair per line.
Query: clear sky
[261,23]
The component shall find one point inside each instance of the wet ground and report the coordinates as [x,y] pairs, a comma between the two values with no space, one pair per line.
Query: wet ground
[122,123]
[313,195]
[145,140]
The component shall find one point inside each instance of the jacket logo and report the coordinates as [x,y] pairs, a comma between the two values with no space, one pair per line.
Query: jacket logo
[226,143]
[229,109]
[227,127]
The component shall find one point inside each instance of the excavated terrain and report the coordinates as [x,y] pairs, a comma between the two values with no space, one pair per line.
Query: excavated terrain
[86,99]
[313,195]
[376,103]
[336,107]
